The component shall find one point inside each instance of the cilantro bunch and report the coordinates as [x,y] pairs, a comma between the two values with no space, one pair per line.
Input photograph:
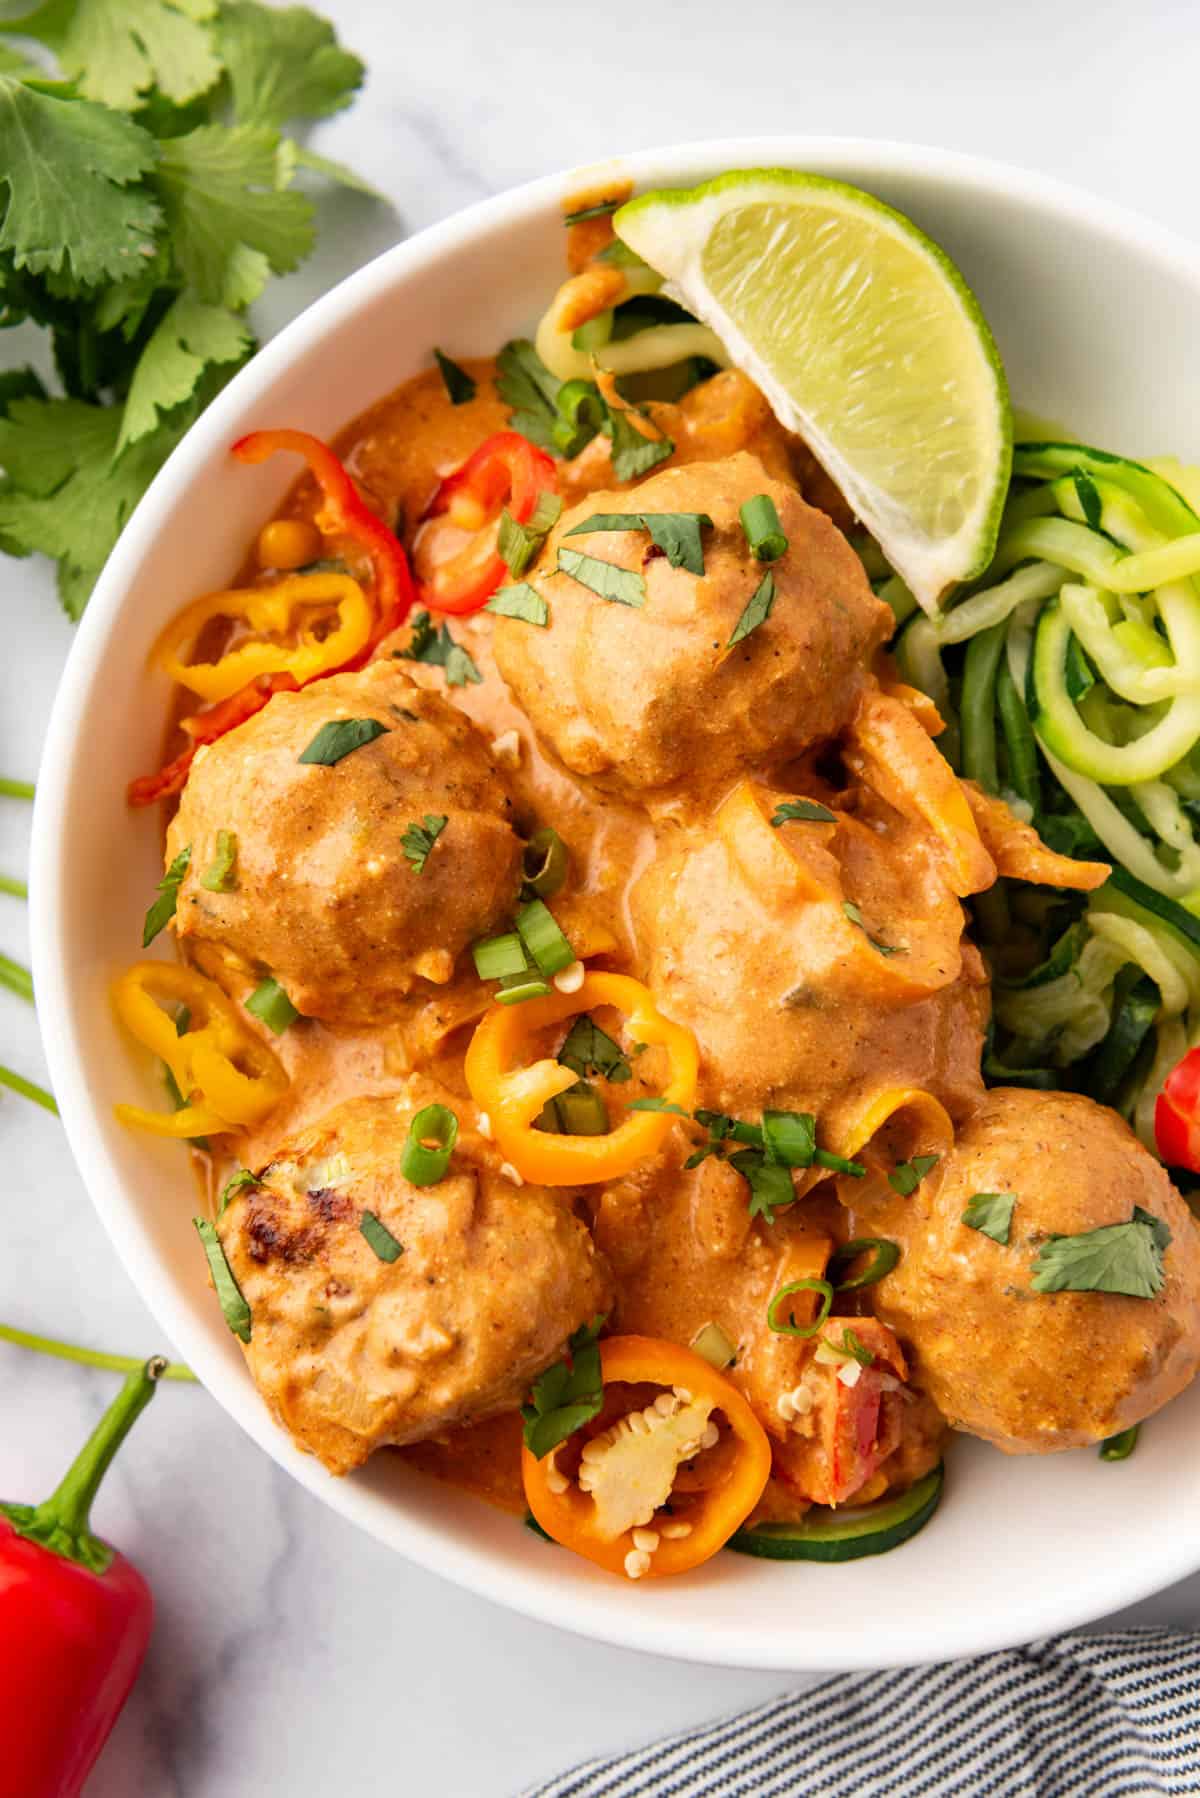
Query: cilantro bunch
[146,199]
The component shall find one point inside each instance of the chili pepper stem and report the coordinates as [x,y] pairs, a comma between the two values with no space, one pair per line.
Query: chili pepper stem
[15,789]
[69,1351]
[61,1522]
[28,1089]
[10,884]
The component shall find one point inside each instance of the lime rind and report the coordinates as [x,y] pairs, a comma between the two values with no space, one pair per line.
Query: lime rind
[672,230]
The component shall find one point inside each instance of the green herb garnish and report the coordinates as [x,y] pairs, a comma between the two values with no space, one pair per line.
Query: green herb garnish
[163,909]
[991,1213]
[590,1050]
[652,1103]
[1120,1447]
[770,1183]
[518,544]
[229,1293]
[677,534]
[229,1192]
[853,1346]
[526,385]
[339,738]
[763,531]
[789,1326]
[520,601]
[1122,1258]
[437,649]
[884,1256]
[460,386]
[855,916]
[801,811]
[271,1004]
[757,610]
[632,454]
[568,1395]
[623,585]
[425,1158]
[220,876]
[418,840]
[379,1238]
[908,1175]
[601,210]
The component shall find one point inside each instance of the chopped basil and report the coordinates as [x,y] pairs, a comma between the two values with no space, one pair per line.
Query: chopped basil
[677,534]
[855,916]
[590,1050]
[908,1175]
[271,1004]
[1122,1258]
[163,909]
[632,454]
[568,1395]
[232,1300]
[242,1178]
[220,876]
[757,610]
[520,601]
[802,811]
[459,384]
[519,543]
[990,1213]
[418,839]
[601,210]
[379,1237]
[340,738]
[623,585]
[437,649]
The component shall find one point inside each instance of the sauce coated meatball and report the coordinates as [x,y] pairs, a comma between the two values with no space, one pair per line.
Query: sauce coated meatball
[1031,1371]
[322,894]
[643,698]
[353,1351]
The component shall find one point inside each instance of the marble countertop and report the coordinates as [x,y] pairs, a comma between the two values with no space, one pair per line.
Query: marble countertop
[291,1653]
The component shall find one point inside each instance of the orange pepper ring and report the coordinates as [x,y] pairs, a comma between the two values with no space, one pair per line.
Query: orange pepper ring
[567,1516]
[513,1096]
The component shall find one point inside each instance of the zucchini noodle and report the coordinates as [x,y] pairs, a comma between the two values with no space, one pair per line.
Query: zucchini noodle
[658,346]
[1171,1047]
[1178,982]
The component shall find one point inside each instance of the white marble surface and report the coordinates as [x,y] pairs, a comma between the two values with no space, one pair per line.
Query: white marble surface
[292,1655]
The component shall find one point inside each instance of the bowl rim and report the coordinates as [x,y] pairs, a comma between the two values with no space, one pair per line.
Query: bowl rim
[640,1626]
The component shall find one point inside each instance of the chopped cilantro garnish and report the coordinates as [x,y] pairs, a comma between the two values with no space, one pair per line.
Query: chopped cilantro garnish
[220,876]
[460,386]
[1125,1258]
[757,610]
[163,909]
[908,1175]
[623,585]
[770,1183]
[677,534]
[856,918]
[520,601]
[590,1050]
[991,1213]
[802,811]
[526,385]
[519,543]
[568,1395]
[418,840]
[229,1192]
[339,738]
[602,209]
[438,649]
[633,454]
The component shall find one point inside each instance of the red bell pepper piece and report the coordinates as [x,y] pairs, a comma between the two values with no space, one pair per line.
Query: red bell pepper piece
[206,727]
[1177,1114]
[75,1619]
[505,469]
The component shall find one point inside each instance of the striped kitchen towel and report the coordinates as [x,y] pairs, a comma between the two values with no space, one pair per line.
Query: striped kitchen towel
[1086,1716]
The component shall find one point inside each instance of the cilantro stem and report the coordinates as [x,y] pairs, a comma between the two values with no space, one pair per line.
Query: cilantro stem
[15,789]
[17,1083]
[18,979]
[68,1351]
[10,884]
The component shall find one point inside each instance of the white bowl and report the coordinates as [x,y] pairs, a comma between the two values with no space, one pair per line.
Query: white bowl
[1098,317]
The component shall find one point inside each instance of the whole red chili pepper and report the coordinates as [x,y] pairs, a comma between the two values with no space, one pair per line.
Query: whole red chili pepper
[75,1619]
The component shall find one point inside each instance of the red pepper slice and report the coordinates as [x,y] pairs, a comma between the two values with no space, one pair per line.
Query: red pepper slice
[206,727]
[1177,1114]
[394,592]
[75,1618]
[506,469]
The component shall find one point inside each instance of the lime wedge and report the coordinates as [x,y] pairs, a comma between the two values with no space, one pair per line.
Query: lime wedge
[865,339]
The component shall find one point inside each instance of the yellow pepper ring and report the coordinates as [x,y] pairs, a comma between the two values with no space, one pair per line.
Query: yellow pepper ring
[513,1096]
[269,611]
[933,1133]
[228,1075]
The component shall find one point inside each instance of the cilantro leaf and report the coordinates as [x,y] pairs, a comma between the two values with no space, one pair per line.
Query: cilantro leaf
[677,534]
[114,51]
[519,544]
[520,601]
[990,1213]
[284,63]
[418,840]
[460,386]
[801,811]
[1125,1258]
[338,738]
[76,203]
[756,610]
[624,586]
[634,455]
[438,649]
[526,385]
[590,1050]
[770,1183]
[188,340]
[856,918]
[232,1187]
[230,225]
[163,909]
[569,1393]
[906,1176]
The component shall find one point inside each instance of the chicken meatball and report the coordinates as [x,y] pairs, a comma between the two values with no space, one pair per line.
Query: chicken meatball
[324,885]
[641,695]
[1037,1371]
[383,1312]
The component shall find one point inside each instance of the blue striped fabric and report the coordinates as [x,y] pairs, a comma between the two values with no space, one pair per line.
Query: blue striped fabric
[1088,1716]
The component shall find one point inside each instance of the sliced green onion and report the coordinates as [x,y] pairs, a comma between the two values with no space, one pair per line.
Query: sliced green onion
[580,413]
[9,884]
[500,956]
[15,789]
[516,988]
[229,1293]
[580,1111]
[220,876]
[27,1089]
[884,1256]
[163,908]
[271,1005]
[764,533]
[712,1345]
[548,947]
[378,1237]
[431,1139]
[978,713]
[544,862]
[792,1328]
[520,601]
[16,978]
[1119,1448]
[839,1164]
[789,1137]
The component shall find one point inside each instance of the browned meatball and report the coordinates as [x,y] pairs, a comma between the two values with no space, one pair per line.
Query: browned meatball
[1034,1371]
[646,697]
[351,1350]
[322,894]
